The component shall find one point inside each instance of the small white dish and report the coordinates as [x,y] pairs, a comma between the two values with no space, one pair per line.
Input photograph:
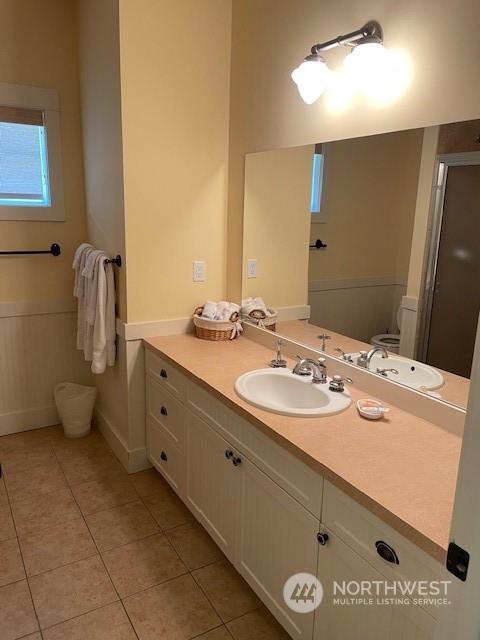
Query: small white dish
[371,409]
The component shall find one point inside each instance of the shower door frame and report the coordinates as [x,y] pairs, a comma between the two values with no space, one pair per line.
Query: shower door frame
[444,161]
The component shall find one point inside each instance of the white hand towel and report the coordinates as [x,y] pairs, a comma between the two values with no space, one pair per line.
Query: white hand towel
[104,328]
[260,304]
[209,310]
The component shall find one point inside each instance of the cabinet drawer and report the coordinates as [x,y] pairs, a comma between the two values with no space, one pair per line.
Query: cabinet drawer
[163,408]
[165,456]
[361,530]
[214,413]
[167,375]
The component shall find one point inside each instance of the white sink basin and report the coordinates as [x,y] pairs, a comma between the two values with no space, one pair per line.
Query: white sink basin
[410,372]
[280,391]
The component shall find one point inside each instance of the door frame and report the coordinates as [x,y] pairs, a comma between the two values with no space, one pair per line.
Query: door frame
[444,161]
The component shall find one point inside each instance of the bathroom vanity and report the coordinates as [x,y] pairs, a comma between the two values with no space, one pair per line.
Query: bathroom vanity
[338,497]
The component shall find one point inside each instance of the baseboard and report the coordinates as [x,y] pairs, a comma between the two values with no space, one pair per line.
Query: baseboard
[133,460]
[28,419]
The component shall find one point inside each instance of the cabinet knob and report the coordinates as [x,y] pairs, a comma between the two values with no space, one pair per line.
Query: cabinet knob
[228,454]
[386,552]
[163,374]
[164,411]
[163,456]
[322,538]
[237,461]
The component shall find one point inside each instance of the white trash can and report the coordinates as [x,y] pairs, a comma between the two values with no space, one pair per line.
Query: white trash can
[75,407]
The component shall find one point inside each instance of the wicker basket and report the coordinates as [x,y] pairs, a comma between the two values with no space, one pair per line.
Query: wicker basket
[261,319]
[216,330]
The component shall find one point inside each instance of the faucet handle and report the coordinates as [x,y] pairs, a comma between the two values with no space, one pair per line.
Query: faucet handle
[278,362]
[337,383]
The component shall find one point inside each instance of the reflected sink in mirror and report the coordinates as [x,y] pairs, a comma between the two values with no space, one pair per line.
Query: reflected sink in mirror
[280,391]
[416,375]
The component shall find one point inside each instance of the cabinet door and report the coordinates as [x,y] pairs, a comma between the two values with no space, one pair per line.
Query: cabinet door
[278,538]
[338,562]
[213,484]
[412,623]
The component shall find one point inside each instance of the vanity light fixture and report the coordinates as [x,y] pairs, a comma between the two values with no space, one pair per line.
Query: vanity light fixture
[313,74]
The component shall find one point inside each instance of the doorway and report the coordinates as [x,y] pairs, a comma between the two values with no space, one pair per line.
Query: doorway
[453,286]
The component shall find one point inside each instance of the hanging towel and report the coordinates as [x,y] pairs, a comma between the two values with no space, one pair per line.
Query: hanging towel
[95,290]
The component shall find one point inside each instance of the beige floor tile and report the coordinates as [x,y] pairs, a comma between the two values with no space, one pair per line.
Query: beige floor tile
[103,494]
[34,482]
[3,495]
[44,511]
[257,625]
[220,633]
[7,529]
[148,482]
[193,544]
[227,590]
[108,623]
[32,636]
[70,448]
[167,509]
[24,439]
[142,564]
[17,616]
[92,467]
[70,591]
[56,546]
[174,610]
[11,565]
[120,525]
[27,458]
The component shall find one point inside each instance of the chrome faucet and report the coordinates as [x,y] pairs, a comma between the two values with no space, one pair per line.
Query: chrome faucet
[345,356]
[307,366]
[365,357]
[383,372]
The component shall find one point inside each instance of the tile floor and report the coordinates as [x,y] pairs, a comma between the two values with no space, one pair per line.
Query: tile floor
[88,552]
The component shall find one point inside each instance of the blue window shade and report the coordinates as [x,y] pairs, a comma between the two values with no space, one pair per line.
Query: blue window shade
[317,183]
[23,166]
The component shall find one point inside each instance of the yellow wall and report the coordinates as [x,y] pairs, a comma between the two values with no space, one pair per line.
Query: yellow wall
[422,213]
[102,131]
[175,64]
[370,187]
[269,38]
[276,224]
[38,47]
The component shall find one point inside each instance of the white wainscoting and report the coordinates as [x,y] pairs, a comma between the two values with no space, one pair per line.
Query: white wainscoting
[37,351]
[356,307]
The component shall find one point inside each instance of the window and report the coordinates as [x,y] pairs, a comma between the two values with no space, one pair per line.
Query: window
[316,194]
[24,177]
[30,158]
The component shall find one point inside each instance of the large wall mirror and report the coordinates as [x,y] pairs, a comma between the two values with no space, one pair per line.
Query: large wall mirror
[380,237]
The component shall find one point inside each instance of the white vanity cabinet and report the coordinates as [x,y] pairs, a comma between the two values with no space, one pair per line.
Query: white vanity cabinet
[264,508]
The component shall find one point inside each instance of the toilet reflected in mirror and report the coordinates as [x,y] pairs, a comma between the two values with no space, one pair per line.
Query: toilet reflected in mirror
[367,240]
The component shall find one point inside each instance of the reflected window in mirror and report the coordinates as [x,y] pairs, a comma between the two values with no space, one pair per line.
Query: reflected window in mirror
[318,163]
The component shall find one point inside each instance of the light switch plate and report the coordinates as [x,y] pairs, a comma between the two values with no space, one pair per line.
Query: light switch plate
[199,271]
[252,268]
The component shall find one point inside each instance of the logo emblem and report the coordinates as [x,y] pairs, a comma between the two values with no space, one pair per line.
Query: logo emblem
[302,592]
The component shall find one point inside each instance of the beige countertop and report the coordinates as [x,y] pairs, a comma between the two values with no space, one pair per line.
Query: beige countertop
[402,469]
[454,390]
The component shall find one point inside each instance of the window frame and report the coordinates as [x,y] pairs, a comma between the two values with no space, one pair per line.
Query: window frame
[46,100]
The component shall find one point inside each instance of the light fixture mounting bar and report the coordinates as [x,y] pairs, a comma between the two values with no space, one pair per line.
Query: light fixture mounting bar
[371,29]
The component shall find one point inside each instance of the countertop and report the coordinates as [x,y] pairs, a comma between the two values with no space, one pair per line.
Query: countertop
[454,389]
[402,469]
